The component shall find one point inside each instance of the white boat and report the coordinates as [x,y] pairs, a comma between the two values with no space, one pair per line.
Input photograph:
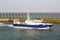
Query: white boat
[32,24]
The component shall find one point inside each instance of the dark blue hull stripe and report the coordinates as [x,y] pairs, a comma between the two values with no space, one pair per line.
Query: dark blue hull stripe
[33,26]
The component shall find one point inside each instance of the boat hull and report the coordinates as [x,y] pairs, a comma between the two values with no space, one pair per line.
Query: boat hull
[32,26]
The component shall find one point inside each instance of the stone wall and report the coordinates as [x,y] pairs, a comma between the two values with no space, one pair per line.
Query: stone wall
[45,20]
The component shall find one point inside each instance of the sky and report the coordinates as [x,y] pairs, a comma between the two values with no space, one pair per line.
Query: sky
[31,5]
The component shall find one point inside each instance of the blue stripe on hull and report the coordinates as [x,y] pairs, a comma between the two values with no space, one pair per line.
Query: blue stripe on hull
[33,26]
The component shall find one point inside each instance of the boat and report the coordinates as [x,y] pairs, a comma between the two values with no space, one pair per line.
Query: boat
[32,24]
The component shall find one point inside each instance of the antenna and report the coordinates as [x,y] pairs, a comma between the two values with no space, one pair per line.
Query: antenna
[28,17]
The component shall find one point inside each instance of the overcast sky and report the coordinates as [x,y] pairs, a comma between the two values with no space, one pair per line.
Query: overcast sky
[32,5]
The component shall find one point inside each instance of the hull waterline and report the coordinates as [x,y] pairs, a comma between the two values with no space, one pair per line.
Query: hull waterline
[23,26]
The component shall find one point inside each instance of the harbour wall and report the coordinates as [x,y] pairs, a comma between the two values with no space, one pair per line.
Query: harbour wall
[45,20]
[47,17]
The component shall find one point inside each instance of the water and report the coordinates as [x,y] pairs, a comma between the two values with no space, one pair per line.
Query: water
[7,33]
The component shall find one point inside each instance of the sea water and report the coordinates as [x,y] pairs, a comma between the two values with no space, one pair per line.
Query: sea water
[8,33]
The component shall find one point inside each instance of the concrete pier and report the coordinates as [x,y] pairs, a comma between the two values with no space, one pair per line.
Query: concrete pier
[47,17]
[45,20]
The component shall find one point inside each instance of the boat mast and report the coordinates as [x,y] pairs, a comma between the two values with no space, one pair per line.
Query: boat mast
[28,17]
